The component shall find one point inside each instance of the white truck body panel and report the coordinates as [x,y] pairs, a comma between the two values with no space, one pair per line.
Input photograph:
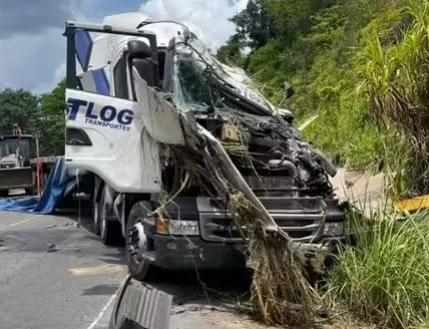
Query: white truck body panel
[160,118]
[121,154]
[164,31]
[126,155]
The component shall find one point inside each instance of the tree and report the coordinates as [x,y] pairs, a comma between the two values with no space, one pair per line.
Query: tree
[254,25]
[39,115]
[20,107]
[231,53]
[53,105]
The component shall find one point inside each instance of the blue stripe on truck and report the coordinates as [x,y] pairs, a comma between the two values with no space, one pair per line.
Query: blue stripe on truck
[83,45]
[101,82]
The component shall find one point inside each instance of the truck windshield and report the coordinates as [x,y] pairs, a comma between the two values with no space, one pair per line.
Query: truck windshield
[191,90]
[200,79]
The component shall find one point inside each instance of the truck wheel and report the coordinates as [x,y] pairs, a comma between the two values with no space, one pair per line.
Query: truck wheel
[110,231]
[96,216]
[137,244]
[4,193]
[96,208]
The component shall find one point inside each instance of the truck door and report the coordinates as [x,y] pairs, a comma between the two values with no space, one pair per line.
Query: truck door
[104,123]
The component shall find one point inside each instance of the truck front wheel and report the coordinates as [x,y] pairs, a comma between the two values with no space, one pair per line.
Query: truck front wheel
[138,244]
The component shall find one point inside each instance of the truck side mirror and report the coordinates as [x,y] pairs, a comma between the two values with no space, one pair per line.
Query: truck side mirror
[139,49]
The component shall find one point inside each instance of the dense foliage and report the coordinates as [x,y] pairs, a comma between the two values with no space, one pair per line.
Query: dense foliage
[316,46]
[362,66]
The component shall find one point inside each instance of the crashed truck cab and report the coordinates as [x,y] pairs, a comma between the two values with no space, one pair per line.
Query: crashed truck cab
[124,80]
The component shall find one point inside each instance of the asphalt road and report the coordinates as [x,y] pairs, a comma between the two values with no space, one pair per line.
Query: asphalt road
[55,275]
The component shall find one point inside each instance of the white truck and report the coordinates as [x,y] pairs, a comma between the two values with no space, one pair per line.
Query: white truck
[122,76]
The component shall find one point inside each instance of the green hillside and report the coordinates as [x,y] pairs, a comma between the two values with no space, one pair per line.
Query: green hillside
[359,64]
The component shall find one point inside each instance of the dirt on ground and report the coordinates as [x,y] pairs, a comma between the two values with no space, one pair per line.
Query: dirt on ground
[363,190]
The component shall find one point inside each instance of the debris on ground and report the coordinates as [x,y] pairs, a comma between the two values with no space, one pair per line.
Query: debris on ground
[51,248]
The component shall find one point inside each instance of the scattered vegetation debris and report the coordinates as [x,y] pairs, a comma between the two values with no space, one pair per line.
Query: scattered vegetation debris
[223,146]
[281,293]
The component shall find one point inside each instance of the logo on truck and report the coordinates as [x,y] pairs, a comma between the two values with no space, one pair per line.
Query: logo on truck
[108,116]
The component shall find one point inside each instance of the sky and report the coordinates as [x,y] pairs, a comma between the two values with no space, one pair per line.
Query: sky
[32,48]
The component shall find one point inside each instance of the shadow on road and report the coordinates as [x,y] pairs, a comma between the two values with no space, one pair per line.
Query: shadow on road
[101,290]
[194,290]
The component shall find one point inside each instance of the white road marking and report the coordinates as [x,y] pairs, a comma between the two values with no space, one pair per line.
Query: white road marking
[28,219]
[109,302]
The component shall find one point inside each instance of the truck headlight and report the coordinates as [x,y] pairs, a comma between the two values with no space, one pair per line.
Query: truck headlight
[333,229]
[177,227]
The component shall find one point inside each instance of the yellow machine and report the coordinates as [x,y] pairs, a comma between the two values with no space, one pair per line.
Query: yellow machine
[413,205]
[16,151]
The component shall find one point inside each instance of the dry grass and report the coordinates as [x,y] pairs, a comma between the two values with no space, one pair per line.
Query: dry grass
[281,295]
[280,291]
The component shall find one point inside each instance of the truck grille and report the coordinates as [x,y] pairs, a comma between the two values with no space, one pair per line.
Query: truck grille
[301,217]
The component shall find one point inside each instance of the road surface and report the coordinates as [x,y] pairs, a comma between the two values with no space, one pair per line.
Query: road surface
[55,275]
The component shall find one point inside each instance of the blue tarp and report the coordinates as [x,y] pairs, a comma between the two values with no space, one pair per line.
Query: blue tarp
[52,194]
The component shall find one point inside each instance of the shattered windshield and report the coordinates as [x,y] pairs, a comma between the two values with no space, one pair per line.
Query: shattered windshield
[192,88]
[200,80]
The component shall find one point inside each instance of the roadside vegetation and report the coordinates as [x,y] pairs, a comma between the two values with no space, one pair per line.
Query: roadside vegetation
[325,50]
[383,278]
[362,67]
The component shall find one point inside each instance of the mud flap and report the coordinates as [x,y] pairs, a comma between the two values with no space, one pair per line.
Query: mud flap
[140,306]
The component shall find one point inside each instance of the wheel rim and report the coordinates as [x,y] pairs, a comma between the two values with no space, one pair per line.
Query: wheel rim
[137,242]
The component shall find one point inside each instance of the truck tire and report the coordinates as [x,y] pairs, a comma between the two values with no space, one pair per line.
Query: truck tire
[110,230]
[96,207]
[137,243]
[96,216]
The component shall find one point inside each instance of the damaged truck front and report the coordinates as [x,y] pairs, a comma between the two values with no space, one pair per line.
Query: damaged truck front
[147,106]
